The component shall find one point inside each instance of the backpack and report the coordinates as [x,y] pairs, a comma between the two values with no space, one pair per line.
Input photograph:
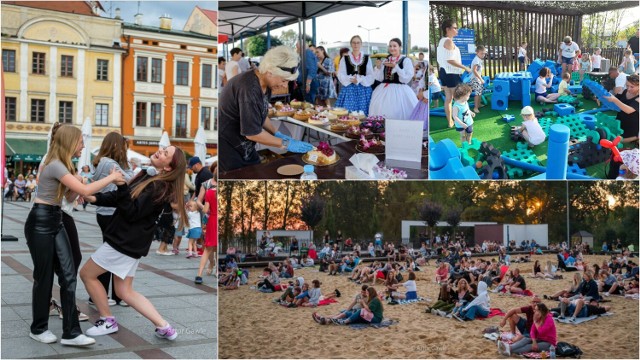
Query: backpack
[564,349]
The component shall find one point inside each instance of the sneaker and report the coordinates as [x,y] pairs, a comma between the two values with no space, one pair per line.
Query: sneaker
[606,294]
[80,340]
[316,318]
[198,280]
[189,255]
[561,317]
[572,319]
[175,251]
[55,309]
[336,321]
[111,302]
[81,316]
[434,311]
[46,337]
[123,304]
[503,348]
[168,332]
[103,327]
[338,294]
[442,313]
[457,317]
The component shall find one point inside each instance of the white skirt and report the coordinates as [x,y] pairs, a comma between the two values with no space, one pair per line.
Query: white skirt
[112,260]
[393,101]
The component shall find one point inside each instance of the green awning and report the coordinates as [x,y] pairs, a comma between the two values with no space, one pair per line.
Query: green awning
[26,150]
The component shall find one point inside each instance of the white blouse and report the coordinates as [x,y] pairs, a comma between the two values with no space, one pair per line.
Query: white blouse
[345,80]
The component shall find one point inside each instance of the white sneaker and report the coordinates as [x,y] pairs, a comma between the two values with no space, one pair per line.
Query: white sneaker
[606,294]
[503,348]
[46,337]
[123,304]
[111,302]
[80,340]
[103,327]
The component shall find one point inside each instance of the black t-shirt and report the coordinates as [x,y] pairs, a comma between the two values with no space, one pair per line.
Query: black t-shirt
[520,279]
[633,43]
[203,175]
[242,111]
[595,310]
[628,122]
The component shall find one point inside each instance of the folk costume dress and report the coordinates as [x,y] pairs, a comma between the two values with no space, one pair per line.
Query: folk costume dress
[394,98]
[326,89]
[355,97]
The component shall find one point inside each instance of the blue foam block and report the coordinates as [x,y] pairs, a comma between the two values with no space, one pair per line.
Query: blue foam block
[564,109]
[588,120]
[535,66]
[501,88]
[508,118]
[499,102]
[576,89]
[600,92]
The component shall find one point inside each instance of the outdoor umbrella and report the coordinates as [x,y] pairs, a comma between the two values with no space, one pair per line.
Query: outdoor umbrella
[164,140]
[200,142]
[85,156]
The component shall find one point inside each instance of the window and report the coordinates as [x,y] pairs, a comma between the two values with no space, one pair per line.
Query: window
[37,110]
[8,60]
[103,70]
[141,114]
[10,108]
[205,120]
[66,66]
[182,76]
[102,114]
[206,76]
[142,69]
[156,70]
[156,115]
[37,65]
[65,112]
[181,120]
[215,119]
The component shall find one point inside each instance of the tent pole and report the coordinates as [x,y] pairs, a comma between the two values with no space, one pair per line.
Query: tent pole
[301,31]
[268,36]
[313,31]
[405,27]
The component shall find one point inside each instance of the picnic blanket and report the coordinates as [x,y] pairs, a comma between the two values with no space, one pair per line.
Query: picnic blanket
[492,312]
[405,302]
[383,324]
[532,355]
[580,320]
[632,296]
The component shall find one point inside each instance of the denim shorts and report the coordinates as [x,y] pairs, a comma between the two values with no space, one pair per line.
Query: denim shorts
[568,61]
[195,233]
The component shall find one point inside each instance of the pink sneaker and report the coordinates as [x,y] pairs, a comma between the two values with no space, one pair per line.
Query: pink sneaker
[176,251]
[189,255]
[168,332]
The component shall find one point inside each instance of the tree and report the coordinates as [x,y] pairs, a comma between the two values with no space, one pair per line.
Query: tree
[311,212]
[430,213]
[257,45]
[453,217]
[290,37]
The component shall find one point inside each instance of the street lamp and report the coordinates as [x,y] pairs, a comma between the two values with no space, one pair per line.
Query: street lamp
[368,35]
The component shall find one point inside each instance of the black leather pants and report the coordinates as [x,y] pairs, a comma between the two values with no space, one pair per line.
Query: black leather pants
[50,251]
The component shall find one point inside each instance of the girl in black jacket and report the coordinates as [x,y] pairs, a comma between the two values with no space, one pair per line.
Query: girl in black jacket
[128,237]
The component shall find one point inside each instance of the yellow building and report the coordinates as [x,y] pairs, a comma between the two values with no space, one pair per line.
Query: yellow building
[169,84]
[61,62]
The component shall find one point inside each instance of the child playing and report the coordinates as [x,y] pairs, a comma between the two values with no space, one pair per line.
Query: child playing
[596,59]
[585,65]
[522,56]
[477,82]
[531,129]
[195,229]
[462,116]
[563,88]
[434,87]
[412,289]
[542,87]
[627,65]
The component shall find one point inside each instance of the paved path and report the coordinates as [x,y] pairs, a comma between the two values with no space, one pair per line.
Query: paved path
[166,280]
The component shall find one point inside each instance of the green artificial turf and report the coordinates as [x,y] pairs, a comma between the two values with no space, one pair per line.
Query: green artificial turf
[488,126]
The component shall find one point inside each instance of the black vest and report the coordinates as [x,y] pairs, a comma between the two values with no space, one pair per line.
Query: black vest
[353,69]
[392,78]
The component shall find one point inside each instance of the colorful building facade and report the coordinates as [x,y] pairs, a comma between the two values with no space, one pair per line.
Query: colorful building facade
[59,65]
[169,84]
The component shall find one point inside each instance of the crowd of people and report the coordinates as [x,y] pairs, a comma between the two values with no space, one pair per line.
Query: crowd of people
[130,204]
[466,285]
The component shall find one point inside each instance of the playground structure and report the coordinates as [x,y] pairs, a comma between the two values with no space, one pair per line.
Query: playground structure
[574,138]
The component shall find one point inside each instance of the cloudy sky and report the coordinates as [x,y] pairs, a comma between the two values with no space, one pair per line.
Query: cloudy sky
[152,10]
[388,18]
